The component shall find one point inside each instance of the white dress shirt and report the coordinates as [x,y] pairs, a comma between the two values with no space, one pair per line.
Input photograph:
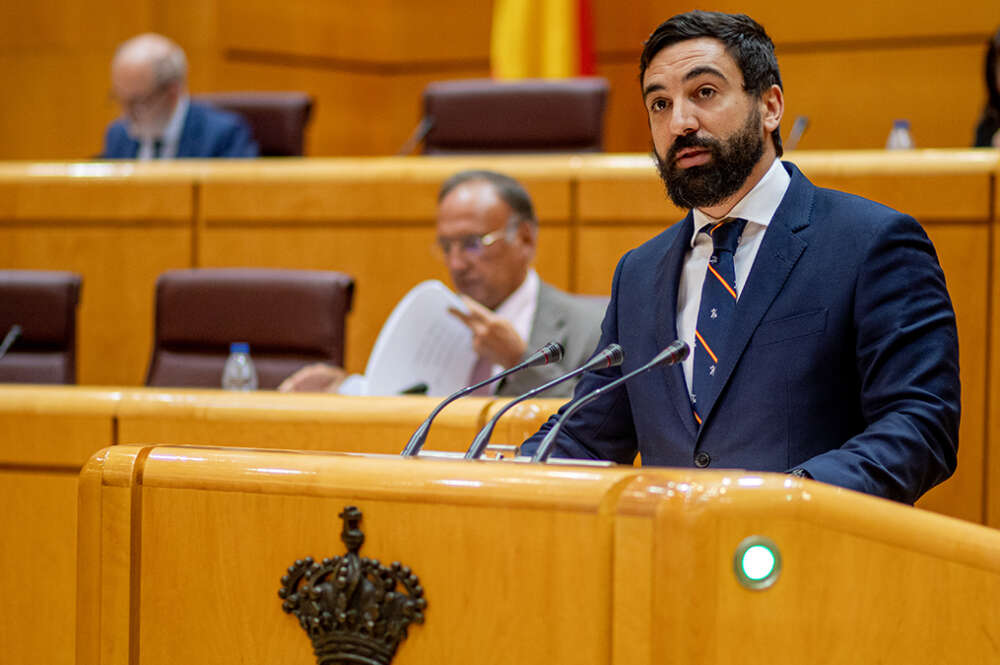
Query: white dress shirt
[171,135]
[757,207]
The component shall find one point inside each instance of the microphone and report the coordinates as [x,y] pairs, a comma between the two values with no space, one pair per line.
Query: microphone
[611,356]
[550,353]
[799,128]
[674,353]
[8,340]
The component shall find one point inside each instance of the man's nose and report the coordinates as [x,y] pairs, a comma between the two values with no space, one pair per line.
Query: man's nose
[455,258]
[683,119]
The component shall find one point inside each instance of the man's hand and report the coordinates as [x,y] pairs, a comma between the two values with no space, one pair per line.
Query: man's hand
[315,378]
[492,337]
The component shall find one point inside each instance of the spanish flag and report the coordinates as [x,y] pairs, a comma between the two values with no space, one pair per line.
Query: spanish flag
[542,39]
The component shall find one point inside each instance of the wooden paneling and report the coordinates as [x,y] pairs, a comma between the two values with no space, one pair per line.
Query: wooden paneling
[889,567]
[851,68]
[602,554]
[380,31]
[115,228]
[46,434]
[295,421]
[38,566]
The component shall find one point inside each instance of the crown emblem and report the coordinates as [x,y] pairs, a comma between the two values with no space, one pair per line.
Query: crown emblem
[354,609]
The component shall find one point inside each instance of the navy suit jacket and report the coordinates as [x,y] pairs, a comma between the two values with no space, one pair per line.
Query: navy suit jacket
[843,358]
[207,132]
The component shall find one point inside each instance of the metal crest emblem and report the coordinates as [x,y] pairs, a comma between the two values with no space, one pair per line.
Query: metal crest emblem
[354,609]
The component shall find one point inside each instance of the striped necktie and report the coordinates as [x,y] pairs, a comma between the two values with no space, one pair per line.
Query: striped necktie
[717,309]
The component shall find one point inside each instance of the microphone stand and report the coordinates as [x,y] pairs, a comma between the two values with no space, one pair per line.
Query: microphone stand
[611,356]
[675,352]
[8,340]
[551,352]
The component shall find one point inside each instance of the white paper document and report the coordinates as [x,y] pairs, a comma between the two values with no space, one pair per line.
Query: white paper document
[420,342]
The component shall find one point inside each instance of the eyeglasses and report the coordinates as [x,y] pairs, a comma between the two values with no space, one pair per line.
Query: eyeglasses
[473,245]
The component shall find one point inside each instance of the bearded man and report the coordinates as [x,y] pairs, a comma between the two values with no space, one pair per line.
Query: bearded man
[823,337]
[159,120]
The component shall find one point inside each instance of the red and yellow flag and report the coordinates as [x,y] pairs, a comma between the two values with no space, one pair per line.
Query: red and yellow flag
[542,39]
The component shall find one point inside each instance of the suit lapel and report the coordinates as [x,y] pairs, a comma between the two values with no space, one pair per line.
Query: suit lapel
[778,254]
[191,133]
[545,328]
[669,276]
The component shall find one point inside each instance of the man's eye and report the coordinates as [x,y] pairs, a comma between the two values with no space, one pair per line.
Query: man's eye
[658,105]
[706,93]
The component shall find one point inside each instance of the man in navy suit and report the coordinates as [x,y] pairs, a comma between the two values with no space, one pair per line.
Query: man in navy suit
[159,121]
[838,358]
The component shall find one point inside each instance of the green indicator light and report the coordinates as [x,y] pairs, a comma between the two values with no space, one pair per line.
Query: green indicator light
[758,562]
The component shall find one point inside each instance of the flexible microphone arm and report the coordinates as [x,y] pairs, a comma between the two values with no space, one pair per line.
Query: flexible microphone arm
[8,340]
[611,356]
[550,353]
[674,353]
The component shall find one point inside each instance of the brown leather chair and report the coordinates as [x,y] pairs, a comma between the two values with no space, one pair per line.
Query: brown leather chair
[43,304]
[532,115]
[278,119]
[290,318]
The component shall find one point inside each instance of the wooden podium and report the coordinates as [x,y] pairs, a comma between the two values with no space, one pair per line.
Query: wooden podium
[182,551]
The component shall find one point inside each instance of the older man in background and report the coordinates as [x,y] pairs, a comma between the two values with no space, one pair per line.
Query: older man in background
[159,121]
[487,235]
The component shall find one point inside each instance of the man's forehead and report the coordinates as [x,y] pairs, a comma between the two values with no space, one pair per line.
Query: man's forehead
[691,57]
[472,202]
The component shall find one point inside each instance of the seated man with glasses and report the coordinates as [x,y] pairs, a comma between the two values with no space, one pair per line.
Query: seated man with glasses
[487,234]
[159,121]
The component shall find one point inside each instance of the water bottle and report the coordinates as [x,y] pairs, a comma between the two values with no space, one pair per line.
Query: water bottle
[239,372]
[899,136]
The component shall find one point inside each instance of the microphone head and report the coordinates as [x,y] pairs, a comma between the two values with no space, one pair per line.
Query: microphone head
[675,352]
[552,352]
[616,355]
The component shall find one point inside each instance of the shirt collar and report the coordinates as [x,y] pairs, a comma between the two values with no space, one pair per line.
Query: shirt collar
[759,204]
[172,133]
[518,308]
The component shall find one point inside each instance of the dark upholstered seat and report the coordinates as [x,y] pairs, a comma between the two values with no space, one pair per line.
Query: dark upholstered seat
[278,119]
[289,317]
[533,115]
[43,303]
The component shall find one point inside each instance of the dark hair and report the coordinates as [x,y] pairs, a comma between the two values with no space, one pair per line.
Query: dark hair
[745,41]
[509,190]
[989,121]
[992,55]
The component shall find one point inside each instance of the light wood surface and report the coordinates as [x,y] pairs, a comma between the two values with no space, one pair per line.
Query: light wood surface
[46,434]
[294,421]
[852,68]
[862,580]
[38,560]
[623,566]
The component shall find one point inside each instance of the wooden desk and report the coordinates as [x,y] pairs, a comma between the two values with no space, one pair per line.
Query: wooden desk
[46,435]
[373,218]
[615,565]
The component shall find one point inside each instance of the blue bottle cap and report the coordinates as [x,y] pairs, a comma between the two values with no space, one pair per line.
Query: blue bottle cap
[239,347]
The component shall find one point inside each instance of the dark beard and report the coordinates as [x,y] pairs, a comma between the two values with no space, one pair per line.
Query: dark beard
[709,184]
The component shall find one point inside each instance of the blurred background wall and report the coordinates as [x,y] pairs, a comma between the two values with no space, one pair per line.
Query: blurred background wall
[851,66]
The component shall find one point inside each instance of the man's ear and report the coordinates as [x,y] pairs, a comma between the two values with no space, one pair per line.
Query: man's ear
[527,233]
[772,103]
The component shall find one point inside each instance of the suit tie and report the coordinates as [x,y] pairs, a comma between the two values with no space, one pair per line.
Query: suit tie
[157,148]
[482,370]
[717,308]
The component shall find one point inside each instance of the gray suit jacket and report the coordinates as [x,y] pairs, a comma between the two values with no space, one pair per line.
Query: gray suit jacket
[574,322]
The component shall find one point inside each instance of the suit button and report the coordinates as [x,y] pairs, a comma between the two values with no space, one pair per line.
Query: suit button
[702,459]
